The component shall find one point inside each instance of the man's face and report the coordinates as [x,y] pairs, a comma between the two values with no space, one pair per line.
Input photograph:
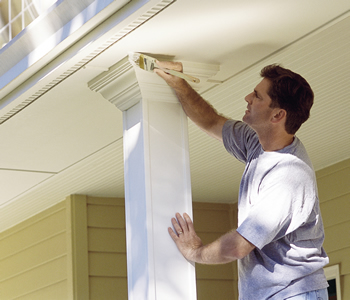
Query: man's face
[259,113]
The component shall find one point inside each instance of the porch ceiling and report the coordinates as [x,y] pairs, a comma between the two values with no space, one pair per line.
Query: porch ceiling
[69,140]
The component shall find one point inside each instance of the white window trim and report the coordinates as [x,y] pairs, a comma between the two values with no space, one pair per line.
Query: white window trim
[332,272]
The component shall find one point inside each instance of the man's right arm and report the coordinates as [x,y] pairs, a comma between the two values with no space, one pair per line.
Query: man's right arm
[195,107]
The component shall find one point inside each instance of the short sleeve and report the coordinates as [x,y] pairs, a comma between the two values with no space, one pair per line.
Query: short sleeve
[239,139]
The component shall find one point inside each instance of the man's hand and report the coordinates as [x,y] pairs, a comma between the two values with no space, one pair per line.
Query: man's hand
[185,237]
[227,248]
[171,80]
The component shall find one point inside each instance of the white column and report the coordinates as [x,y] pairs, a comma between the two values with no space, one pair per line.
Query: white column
[157,182]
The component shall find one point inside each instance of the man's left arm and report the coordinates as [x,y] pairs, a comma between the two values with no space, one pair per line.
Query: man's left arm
[229,247]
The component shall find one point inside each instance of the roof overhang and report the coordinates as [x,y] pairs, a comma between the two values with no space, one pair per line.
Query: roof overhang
[59,137]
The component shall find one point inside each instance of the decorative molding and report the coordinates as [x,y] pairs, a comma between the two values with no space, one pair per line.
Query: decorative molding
[118,85]
[122,83]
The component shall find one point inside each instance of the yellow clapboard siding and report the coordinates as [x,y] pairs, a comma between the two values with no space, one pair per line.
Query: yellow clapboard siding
[57,291]
[198,206]
[336,210]
[108,288]
[214,271]
[333,168]
[107,248]
[334,193]
[33,256]
[105,216]
[38,278]
[215,281]
[34,233]
[337,237]
[334,185]
[212,220]
[342,258]
[42,215]
[106,240]
[345,281]
[216,289]
[107,264]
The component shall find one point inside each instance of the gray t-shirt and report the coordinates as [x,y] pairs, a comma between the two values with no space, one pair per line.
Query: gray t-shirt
[278,212]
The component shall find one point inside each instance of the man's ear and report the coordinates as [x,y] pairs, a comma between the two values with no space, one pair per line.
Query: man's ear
[279,115]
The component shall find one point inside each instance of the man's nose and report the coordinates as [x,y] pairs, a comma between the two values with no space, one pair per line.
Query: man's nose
[248,98]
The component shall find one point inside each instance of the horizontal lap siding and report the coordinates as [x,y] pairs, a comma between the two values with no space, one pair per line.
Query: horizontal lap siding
[56,291]
[33,257]
[334,194]
[107,240]
[107,248]
[104,287]
[212,221]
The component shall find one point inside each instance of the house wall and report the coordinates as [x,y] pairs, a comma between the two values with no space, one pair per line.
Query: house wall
[334,193]
[39,258]
[33,257]
[44,257]
[210,222]
[107,248]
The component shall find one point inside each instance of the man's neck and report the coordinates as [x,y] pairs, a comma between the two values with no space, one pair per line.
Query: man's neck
[275,141]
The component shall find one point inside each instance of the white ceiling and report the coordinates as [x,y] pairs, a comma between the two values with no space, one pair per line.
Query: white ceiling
[69,140]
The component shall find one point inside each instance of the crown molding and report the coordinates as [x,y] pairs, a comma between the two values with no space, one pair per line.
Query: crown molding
[124,85]
[118,85]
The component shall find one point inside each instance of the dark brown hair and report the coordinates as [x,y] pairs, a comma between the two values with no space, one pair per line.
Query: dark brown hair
[291,92]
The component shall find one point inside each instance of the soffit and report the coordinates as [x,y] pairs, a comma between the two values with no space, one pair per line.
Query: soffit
[73,138]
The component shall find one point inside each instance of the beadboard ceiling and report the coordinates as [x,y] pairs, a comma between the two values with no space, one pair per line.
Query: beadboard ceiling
[69,140]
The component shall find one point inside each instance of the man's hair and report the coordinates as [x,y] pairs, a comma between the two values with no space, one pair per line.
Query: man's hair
[291,92]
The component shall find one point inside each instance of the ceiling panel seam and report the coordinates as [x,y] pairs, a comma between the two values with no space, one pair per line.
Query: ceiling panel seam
[29,171]
[152,12]
[57,186]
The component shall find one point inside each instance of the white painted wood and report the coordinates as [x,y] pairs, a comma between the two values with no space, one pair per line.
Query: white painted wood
[332,272]
[157,184]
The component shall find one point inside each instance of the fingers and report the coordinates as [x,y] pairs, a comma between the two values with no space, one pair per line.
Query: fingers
[162,74]
[173,81]
[182,222]
[182,225]
[189,222]
[172,234]
[177,66]
[178,228]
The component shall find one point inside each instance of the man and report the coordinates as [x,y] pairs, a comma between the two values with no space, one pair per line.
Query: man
[278,242]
